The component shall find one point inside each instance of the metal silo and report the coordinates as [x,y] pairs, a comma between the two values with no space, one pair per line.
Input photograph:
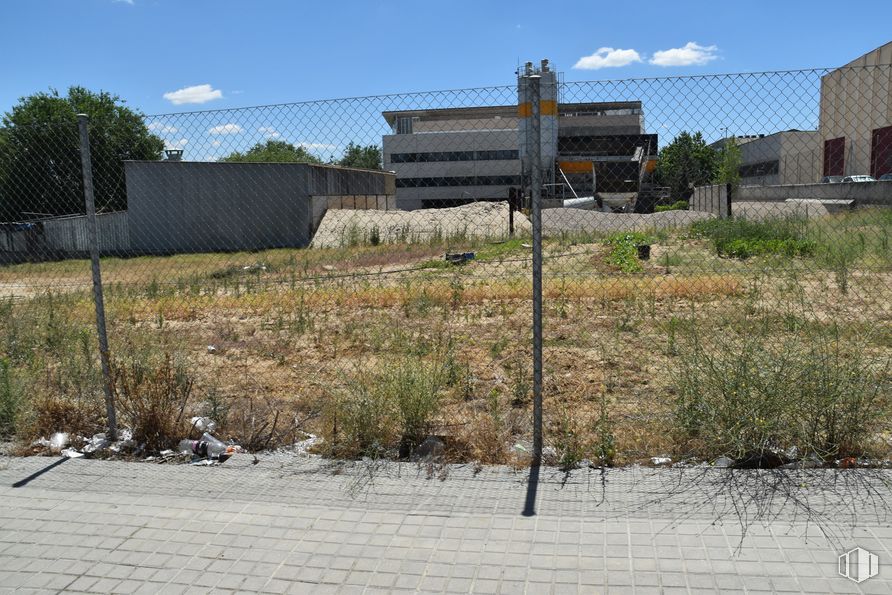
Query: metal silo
[548,113]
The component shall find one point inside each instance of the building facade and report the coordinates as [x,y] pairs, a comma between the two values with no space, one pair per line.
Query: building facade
[856,116]
[786,157]
[447,157]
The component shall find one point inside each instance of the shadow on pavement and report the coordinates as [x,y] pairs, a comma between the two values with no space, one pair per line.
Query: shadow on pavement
[529,506]
[23,482]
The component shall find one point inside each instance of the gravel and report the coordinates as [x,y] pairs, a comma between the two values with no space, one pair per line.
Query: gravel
[483,220]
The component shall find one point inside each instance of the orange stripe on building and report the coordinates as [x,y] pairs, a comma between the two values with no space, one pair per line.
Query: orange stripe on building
[547,107]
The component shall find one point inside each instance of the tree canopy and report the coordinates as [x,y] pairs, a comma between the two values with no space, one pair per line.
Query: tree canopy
[40,163]
[274,151]
[730,159]
[368,157]
[687,162]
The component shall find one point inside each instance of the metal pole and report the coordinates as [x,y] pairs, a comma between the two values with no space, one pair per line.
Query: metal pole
[93,239]
[535,147]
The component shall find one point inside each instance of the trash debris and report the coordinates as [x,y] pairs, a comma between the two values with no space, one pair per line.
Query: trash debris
[663,460]
[526,246]
[204,424]
[254,268]
[723,462]
[125,441]
[97,442]
[459,257]
[71,453]
[212,349]
[303,447]
[59,440]
[208,447]
[327,267]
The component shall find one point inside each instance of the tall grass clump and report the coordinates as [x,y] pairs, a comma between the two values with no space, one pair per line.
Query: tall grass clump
[394,407]
[752,393]
[10,399]
[152,396]
[742,238]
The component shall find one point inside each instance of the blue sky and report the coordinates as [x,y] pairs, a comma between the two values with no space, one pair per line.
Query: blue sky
[272,51]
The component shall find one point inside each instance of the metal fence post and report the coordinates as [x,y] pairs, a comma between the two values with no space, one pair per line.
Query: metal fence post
[535,148]
[93,239]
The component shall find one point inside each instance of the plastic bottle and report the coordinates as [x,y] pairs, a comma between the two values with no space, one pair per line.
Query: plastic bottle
[208,447]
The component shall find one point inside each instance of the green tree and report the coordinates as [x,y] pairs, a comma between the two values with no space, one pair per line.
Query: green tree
[368,157]
[40,163]
[273,151]
[686,162]
[729,164]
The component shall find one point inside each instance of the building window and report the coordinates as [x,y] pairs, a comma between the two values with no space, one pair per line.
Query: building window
[457,181]
[404,125]
[835,156]
[436,157]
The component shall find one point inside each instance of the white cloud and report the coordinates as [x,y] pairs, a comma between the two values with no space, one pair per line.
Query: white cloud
[225,129]
[607,58]
[692,54]
[162,128]
[269,132]
[176,144]
[216,143]
[194,94]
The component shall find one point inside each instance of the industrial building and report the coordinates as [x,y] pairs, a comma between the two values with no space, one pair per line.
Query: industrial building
[447,157]
[786,157]
[184,206]
[856,116]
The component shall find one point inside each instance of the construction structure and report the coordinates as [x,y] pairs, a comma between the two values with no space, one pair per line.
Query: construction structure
[454,156]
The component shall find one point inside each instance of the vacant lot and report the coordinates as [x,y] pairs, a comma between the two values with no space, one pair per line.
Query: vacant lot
[732,338]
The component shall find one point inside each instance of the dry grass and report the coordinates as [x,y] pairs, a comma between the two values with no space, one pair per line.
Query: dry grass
[288,341]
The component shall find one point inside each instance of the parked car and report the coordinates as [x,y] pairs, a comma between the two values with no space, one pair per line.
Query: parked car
[886,177]
[831,179]
[858,179]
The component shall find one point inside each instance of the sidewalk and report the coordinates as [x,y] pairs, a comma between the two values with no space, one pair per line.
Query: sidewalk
[302,525]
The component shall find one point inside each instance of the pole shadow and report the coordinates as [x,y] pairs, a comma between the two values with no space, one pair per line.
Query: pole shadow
[23,482]
[529,506]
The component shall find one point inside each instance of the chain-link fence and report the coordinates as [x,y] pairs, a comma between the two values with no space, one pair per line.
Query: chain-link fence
[715,267]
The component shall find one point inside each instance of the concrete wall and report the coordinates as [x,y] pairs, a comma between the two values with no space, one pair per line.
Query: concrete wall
[863,193]
[204,207]
[711,199]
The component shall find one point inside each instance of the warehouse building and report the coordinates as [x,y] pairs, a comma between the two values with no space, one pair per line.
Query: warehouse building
[856,116]
[186,206]
[786,157]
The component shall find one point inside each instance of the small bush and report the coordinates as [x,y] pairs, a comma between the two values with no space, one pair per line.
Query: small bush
[396,406]
[748,392]
[679,205]
[152,397]
[740,238]
[624,250]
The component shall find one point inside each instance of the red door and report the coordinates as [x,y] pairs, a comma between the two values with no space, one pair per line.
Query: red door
[881,152]
[835,156]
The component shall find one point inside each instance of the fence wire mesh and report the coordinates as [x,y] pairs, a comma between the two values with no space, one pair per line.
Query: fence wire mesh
[715,279]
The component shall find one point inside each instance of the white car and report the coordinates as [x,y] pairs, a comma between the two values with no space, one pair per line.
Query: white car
[858,179]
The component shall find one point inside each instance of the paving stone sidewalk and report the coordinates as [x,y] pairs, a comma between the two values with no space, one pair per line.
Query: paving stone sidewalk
[301,525]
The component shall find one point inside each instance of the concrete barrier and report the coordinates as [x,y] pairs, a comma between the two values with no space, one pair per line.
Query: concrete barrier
[863,193]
